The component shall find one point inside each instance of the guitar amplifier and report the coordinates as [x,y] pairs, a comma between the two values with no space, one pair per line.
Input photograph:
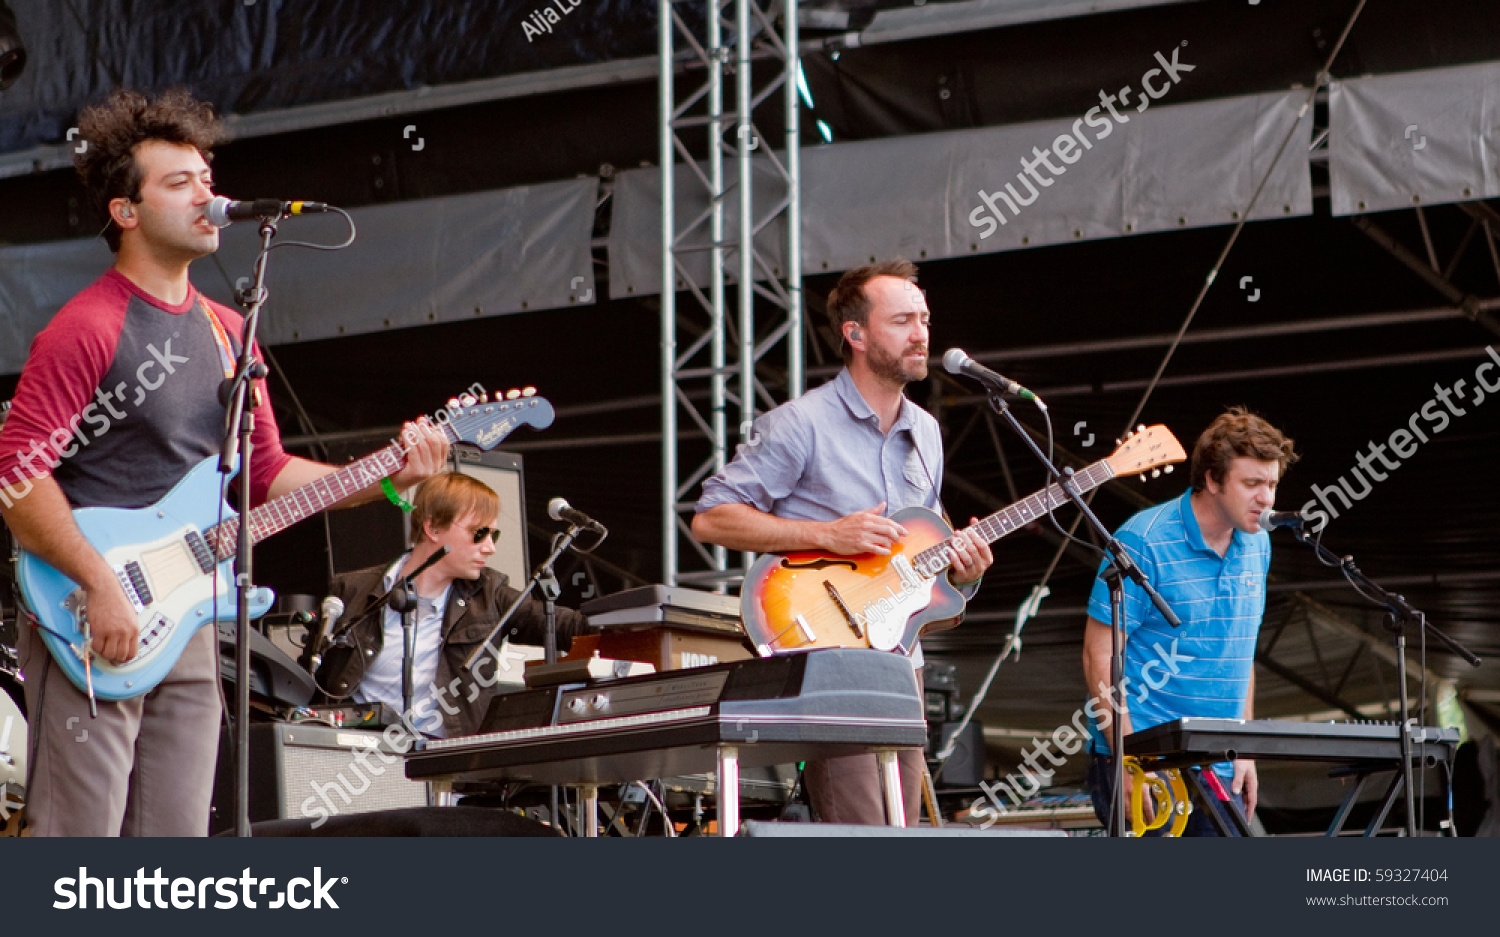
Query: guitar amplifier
[311,771]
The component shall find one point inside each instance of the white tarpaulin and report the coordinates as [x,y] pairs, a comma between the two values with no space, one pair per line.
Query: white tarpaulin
[1416,138]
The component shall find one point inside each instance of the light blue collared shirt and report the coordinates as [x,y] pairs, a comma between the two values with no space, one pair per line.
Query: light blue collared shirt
[822,457]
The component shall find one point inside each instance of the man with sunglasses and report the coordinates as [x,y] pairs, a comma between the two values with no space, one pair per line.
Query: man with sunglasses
[459,601]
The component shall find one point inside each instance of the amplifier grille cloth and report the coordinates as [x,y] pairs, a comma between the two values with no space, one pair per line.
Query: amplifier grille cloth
[305,767]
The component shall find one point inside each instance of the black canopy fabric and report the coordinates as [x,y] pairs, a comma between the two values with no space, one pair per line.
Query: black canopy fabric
[248,58]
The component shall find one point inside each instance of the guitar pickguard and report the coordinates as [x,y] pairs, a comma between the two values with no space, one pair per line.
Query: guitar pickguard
[884,619]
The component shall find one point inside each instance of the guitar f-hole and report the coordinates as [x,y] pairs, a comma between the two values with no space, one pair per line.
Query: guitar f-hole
[822,562]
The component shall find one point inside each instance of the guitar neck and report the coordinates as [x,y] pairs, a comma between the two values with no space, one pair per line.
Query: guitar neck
[279,514]
[935,558]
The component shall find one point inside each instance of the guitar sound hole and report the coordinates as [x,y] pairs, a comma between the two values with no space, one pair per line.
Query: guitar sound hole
[821,562]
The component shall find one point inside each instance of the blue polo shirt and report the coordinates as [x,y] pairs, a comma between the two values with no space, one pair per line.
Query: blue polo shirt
[1202,668]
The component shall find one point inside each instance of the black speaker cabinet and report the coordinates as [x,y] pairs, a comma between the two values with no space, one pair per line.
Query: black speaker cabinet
[314,772]
[965,767]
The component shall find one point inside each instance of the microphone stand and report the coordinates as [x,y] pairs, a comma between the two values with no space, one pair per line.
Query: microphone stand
[235,454]
[545,577]
[393,595]
[402,598]
[1398,613]
[1120,566]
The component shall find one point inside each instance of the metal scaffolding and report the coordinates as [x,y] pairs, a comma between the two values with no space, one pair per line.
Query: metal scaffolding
[692,128]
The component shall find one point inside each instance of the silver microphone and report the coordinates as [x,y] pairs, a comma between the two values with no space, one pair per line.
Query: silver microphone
[333,610]
[223,212]
[1270,520]
[559,510]
[956,361]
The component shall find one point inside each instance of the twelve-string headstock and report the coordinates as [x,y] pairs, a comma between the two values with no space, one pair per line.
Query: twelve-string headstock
[1147,449]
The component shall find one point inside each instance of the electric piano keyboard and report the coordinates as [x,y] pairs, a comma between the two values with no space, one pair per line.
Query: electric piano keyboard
[1365,748]
[773,711]
[1197,741]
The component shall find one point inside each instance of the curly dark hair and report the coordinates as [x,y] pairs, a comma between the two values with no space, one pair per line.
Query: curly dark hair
[115,127]
[848,303]
[1237,432]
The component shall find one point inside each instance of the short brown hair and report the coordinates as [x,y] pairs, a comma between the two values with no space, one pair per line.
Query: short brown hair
[847,301]
[123,121]
[1237,433]
[444,498]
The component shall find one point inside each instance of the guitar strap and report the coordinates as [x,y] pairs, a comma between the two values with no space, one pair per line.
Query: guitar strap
[936,491]
[227,354]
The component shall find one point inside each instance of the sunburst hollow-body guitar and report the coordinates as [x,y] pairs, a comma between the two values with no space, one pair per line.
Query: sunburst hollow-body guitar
[802,601]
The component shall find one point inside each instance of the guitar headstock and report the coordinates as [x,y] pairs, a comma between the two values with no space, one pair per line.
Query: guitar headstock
[483,422]
[1148,448]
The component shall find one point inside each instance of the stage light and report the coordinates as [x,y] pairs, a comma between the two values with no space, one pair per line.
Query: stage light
[12,52]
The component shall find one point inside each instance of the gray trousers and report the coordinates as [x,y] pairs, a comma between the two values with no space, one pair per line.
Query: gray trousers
[144,767]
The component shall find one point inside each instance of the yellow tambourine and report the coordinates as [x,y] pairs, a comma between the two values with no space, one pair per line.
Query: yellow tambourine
[1169,796]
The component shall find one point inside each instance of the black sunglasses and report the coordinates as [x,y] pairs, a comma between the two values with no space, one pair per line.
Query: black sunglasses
[492,532]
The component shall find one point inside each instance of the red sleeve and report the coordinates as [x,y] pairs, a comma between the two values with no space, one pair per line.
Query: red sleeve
[268,458]
[68,359]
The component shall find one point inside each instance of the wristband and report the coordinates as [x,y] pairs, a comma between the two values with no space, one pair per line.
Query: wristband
[393,496]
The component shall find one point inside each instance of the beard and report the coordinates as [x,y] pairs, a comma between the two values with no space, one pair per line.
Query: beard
[895,368]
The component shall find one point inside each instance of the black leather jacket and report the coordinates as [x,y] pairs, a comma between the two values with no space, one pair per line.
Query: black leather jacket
[474,606]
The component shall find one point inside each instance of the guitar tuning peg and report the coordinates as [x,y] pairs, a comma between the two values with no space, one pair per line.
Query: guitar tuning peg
[1168,469]
[528,391]
[1142,477]
[484,397]
[454,403]
[1117,442]
[469,400]
[1156,473]
[512,394]
[1141,428]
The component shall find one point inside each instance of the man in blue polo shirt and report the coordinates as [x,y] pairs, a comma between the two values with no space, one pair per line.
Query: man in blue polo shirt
[1208,557]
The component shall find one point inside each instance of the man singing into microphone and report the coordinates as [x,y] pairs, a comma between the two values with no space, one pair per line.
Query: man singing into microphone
[1206,554]
[825,471]
[460,599]
[117,402]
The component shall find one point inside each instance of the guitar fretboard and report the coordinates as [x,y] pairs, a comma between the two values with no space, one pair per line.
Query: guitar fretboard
[935,559]
[279,514]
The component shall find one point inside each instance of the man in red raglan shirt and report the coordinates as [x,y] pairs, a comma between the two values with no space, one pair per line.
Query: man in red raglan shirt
[118,400]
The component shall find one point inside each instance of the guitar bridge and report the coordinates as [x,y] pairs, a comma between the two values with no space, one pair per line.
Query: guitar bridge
[848,615]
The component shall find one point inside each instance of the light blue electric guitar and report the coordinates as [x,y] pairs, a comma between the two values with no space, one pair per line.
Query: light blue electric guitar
[170,557]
